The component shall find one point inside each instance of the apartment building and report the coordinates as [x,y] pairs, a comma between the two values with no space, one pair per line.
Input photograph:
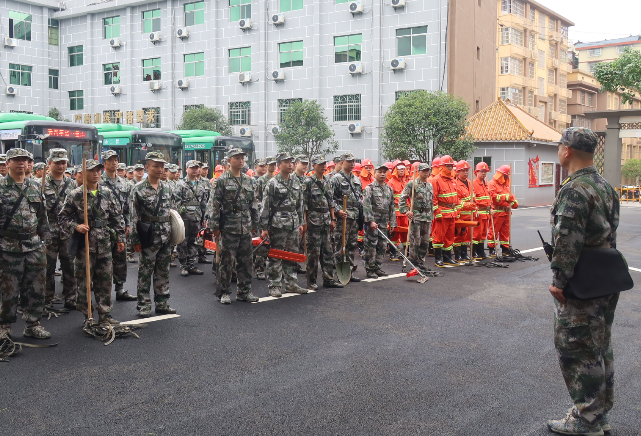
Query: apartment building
[589,54]
[532,60]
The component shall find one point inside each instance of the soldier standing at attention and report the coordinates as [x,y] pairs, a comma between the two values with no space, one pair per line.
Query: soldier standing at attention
[379,210]
[419,232]
[189,196]
[23,236]
[121,170]
[301,164]
[233,216]
[106,225]
[259,189]
[282,221]
[39,170]
[151,201]
[3,165]
[139,172]
[207,186]
[584,216]
[338,166]
[130,174]
[260,169]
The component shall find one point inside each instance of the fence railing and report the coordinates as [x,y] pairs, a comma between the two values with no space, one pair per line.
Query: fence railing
[630,193]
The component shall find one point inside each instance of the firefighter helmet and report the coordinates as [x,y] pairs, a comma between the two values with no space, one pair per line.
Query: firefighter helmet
[504,169]
[462,165]
[482,166]
[447,160]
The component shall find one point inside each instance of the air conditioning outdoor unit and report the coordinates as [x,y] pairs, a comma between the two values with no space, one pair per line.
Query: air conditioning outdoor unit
[183,32]
[245,131]
[275,130]
[154,85]
[182,83]
[154,37]
[278,75]
[245,24]
[12,90]
[398,3]
[278,19]
[355,128]
[245,77]
[114,89]
[397,64]
[114,42]
[356,68]
[356,7]
[10,42]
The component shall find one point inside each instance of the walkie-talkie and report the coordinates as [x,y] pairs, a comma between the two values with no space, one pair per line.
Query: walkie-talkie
[549,249]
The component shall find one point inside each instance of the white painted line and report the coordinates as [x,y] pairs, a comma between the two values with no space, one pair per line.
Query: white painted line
[148,320]
[530,250]
[634,269]
[393,276]
[532,207]
[270,298]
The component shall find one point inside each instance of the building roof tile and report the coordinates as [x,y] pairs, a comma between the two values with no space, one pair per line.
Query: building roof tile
[619,41]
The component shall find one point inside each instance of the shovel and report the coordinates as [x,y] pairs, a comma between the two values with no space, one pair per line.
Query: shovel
[344,269]
[423,278]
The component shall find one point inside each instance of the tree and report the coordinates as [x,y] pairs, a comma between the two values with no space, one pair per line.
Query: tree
[421,117]
[56,114]
[631,169]
[205,118]
[304,130]
[621,75]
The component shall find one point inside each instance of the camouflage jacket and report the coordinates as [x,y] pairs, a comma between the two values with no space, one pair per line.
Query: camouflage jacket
[29,221]
[423,200]
[120,190]
[55,195]
[191,199]
[106,221]
[318,198]
[259,187]
[232,207]
[143,203]
[208,186]
[378,204]
[341,186]
[581,217]
[282,204]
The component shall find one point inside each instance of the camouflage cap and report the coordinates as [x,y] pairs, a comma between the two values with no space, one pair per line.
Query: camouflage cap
[580,138]
[281,157]
[338,158]
[318,160]
[270,160]
[204,165]
[92,163]
[302,158]
[108,154]
[3,158]
[381,167]
[155,156]
[191,164]
[39,166]
[58,154]
[139,167]
[346,156]
[78,168]
[173,168]
[166,165]
[71,171]
[234,152]
[259,162]
[122,166]
[18,152]
[130,169]
[423,167]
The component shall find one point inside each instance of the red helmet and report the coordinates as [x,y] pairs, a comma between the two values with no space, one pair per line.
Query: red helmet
[504,169]
[406,163]
[367,163]
[357,167]
[462,165]
[447,160]
[331,164]
[437,162]
[389,165]
[415,166]
[482,166]
[219,168]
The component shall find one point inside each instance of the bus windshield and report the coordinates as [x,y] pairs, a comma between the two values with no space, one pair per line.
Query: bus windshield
[168,144]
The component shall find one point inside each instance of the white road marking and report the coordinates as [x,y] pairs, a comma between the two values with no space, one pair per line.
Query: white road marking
[393,276]
[148,320]
[530,250]
[270,298]
[634,269]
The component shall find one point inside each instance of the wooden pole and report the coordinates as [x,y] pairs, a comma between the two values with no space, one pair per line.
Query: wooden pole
[344,224]
[509,180]
[44,175]
[87,259]
[409,222]
[471,182]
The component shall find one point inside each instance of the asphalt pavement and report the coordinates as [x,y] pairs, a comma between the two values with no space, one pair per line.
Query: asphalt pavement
[470,353]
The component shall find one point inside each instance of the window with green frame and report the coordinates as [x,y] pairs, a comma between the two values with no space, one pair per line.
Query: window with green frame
[53,78]
[342,1]
[111,27]
[20,74]
[76,101]
[290,5]
[347,48]
[111,73]
[240,9]
[150,69]
[291,54]
[194,13]
[347,107]
[194,64]
[486,159]
[411,41]
[19,25]
[75,56]
[53,32]
[240,60]
[151,21]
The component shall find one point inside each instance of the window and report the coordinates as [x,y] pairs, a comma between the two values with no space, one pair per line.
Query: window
[111,27]
[552,52]
[478,53]
[240,113]
[542,27]
[621,49]
[240,60]
[20,112]
[563,55]
[592,66]
[347,48]
[551,103]
[194,13]
[510,35]
[290,5]
[152,118]
[150,69]
[486,159]
[581,121]
[564,32]
[401,94]
[563,80]
[609,101]
[347,107]
[291,54]
[552,24]
[19,25]
[512,66]
[284,104]
[188,107]
[151,21]
[54,32]
[515,95]
[75,101]
[341,1]
[532,14]
[541,87]
[513,7]
[531,70]
[541,59]
[532,44]
[111,73]
[583,97]
[594,52]
[53,79]
[194,64]
[590,100]
[530,98]
[112,116]
[20,74]
[75,56]
[240,9]
[551,78]
[412,41]
[541,111]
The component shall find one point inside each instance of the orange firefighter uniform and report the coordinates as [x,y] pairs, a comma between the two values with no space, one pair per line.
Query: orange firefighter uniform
[466,209]
[502,201]
[484,204]
[446,204]
[397,183]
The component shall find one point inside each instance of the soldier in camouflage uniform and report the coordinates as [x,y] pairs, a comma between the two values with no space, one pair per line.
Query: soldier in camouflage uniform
[259,187]
[282,221]
[301,164]
[260,169]
[420,217]
[130,174]
[3,166]
[233,215]
[151,201]
[585,215]
[120,190]
[121,170]
[380,212]
[23,236]
[39,170]
[190,195]
[321,221]
[208,186]
[56,189]
[106,227]
[139,172]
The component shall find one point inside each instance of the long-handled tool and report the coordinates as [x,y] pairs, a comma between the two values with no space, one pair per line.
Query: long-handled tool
[87,259]
[471,229]
[423,278]
[409,222]
[344,269]
[509,181]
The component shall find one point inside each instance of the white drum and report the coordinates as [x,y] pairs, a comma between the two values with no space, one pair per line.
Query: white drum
[177,228]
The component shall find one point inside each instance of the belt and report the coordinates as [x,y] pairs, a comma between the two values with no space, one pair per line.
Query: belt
[285,209]
[236,208]
[155,219]
[98,224]
[421,210]
[318,209]
[18,236]
[192,203]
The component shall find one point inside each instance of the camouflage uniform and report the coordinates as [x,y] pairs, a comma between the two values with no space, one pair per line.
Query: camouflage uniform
[378,207]
[259,189]
[189,197]
[208,187]
[420,228]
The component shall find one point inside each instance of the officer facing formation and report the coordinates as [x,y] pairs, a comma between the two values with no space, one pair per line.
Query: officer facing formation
[259,189]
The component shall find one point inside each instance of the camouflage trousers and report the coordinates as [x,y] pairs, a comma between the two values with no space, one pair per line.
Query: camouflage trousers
[259,261]
[235,255]
[101,270]
[279,270]
[58,249]
[22,279]
[154,261]
[319,249]
[351,241]
[119,262]
[582,332]
[419,237]
[187,251]
[375,246]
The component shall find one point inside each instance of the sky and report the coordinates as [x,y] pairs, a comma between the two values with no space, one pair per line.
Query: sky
[597,19]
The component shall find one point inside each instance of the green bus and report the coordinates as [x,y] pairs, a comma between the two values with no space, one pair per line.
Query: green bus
[132,143]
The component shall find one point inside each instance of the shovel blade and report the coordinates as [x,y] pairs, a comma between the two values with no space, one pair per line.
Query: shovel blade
[344,272]
[422,280]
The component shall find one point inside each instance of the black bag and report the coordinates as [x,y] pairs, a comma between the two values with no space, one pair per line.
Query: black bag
[146,230]
[599,272]
[76,241]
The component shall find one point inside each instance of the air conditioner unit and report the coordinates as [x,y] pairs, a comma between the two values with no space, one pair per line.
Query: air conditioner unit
[10,42]
[245,77]
[397,64]
[154,85]
[398,3]
[154,37]
[183,32]
[278,75]
[355,128]
[182,83]
[245,131]
[114,42]
[278,19]
[356,7]
[12,90]
[356,68]
[275,130]
[245,24]
[114,89]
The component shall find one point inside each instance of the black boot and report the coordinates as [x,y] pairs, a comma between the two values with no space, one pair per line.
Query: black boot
[438,257]
[481,252]
[430,250]
[457,255]
[464,256]
[447,258]
[492,251]
[506,251]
